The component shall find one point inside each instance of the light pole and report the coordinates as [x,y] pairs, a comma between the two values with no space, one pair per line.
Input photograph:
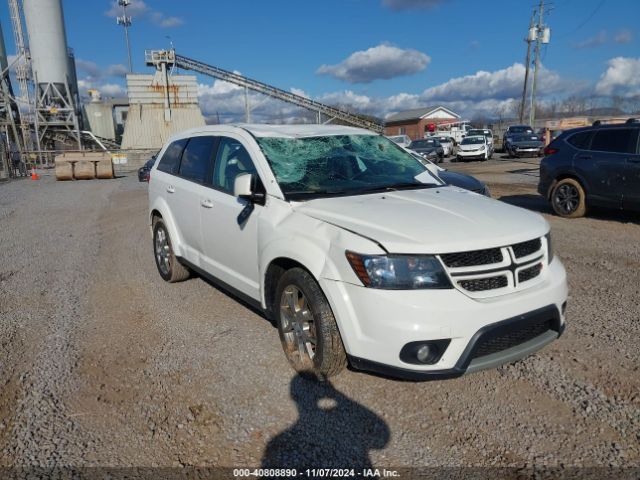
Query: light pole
[125,21]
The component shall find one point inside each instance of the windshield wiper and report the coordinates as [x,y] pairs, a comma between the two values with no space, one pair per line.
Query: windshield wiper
[398,186]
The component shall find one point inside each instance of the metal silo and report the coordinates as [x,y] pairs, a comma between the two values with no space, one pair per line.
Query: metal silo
[47,40]
[56,101]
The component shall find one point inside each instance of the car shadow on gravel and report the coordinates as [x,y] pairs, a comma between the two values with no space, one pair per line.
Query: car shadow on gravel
[539,204]
[529,201]
[332,431]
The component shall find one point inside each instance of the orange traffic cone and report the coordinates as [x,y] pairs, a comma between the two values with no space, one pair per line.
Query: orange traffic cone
[34,173]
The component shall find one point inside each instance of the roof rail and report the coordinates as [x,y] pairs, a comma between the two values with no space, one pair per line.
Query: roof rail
[633,120]
[596,123]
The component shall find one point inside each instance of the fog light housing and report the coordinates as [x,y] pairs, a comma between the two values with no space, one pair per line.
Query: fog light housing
[425,352]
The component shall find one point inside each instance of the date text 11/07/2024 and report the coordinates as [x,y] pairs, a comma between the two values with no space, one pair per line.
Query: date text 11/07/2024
[316,472]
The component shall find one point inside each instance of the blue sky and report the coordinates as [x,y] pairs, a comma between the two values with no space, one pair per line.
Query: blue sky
[412,52]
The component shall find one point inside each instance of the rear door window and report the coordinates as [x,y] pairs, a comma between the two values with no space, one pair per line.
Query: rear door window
[170,161]
[616,140]
[196,158]
[580,140]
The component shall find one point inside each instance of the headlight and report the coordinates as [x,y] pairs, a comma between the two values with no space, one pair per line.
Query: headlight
[399,272]
[550,253]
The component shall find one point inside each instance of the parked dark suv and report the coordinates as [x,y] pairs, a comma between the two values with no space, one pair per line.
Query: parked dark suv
[593,166]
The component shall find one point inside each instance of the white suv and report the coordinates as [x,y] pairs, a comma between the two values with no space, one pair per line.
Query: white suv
[355,250]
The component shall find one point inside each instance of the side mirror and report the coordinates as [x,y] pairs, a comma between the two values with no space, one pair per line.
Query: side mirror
[244,186]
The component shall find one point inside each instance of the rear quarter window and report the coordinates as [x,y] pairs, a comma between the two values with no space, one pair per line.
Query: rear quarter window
[580,140]
[170,161]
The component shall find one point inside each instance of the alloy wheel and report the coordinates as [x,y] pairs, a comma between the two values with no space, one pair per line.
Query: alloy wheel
[298,326]
[567,198]
[163,251]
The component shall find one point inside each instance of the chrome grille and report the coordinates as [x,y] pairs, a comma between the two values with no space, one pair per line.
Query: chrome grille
[529,273]
[472,259]
[525,249]
[495,271]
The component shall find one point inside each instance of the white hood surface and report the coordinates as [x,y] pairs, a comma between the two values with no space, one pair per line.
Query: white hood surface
[433,220]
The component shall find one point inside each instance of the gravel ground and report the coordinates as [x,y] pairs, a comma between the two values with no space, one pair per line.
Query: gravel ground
[103,364]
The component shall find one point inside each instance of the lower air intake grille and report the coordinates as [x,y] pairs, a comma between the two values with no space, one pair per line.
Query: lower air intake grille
[529,273]
[492,344]
[472,259]
[482,284]
[526,248]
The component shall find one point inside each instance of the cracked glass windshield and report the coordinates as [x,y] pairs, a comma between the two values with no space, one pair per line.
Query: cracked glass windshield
[342,164]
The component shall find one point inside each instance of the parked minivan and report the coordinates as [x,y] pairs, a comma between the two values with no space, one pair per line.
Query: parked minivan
[592,166]
[355,250]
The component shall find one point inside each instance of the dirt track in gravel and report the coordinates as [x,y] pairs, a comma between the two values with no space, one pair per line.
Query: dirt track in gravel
[111,366]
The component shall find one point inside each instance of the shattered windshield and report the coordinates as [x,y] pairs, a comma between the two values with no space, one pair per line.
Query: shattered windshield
[342,165]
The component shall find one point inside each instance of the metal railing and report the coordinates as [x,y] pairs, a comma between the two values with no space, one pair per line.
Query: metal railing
[298,100]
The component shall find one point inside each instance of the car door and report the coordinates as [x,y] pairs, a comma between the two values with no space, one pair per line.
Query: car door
[604,165]
[230,241]
[631,198]
[193,173]
[166,183]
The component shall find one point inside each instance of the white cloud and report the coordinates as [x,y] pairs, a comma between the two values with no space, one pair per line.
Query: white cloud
[112,90]
[381,62]
[91,75]
[598,39]
[622,77]
[623,36]
[499,84]
[139,9]
[411,4]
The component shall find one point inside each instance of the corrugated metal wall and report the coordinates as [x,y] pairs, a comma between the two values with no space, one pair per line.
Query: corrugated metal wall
[146,126]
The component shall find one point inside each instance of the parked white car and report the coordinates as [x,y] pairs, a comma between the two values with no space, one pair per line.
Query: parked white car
[447,144]
[357,252]
[488,135]
[402,140]
[473,148]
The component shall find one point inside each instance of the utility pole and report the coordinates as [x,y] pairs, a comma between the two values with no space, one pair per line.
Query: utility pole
[247,106]
[542,36]
[527,63]
[125,21]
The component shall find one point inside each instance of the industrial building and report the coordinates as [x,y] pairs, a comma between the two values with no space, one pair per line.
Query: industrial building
[416,123]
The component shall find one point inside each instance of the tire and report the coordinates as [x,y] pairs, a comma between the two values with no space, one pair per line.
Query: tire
[568,198]
[313,320]
[169,267]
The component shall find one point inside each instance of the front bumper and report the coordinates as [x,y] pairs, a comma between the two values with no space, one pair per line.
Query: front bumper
[471,155]
[526,152]
[376,324]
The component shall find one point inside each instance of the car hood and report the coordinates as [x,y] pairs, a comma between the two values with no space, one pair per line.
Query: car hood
[461,180]
[433,220]
[425,149]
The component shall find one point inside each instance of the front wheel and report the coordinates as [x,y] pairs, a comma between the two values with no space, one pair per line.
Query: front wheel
[568,199]
[307,327]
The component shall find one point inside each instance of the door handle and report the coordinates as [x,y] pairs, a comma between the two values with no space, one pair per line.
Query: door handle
[171,189]
[206,203]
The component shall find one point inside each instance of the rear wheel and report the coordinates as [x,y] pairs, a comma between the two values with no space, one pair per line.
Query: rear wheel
[307,326]
[568,199]
[170,269]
